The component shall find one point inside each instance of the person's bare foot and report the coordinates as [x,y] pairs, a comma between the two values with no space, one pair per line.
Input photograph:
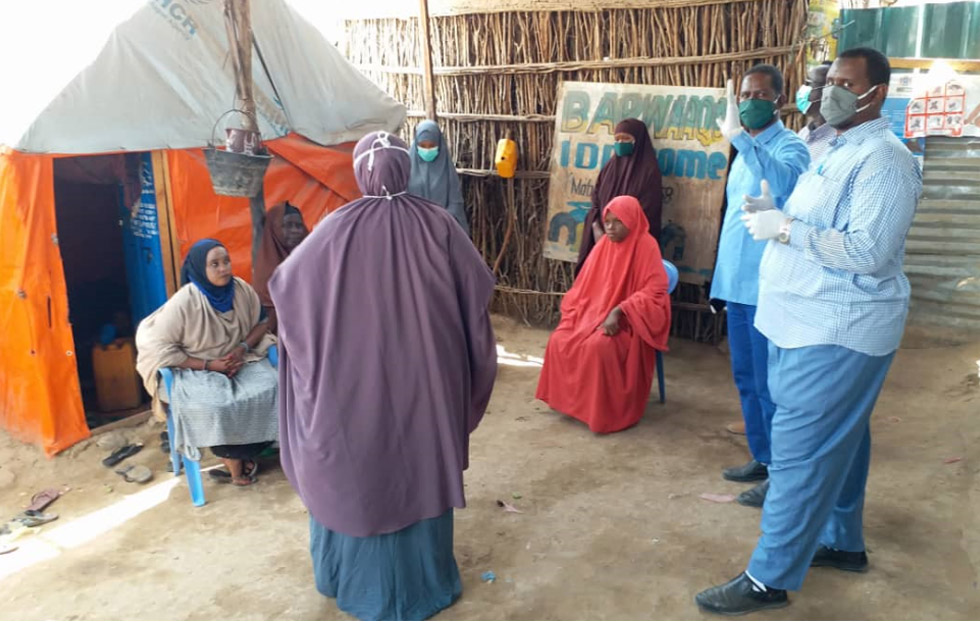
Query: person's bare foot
[239,472]
[235,467]
[243,480]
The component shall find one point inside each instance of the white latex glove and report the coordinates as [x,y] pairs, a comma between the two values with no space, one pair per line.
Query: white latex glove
[760,203]
[764,225]
[730,126]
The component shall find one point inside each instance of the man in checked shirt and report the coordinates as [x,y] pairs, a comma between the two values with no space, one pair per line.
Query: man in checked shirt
[832,302]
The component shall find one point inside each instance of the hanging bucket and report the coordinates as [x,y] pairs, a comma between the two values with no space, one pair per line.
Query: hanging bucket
[235,174]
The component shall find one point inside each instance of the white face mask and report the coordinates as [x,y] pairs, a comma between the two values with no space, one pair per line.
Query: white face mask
[838,105]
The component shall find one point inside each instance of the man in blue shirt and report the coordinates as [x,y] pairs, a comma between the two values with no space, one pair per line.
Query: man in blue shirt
[766,151]
[832,301]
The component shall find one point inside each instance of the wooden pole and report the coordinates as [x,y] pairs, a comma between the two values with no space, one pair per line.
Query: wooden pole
[245,50]
[425,43]
[238,24]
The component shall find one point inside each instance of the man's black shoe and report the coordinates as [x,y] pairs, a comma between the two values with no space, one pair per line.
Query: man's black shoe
[751,471]
[754,497]
[841,560]
[738,597]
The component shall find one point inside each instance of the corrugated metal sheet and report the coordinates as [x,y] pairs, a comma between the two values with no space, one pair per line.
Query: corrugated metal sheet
[943,249]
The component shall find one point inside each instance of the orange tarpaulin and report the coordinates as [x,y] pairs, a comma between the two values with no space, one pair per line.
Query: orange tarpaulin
[316,179]
[40,396]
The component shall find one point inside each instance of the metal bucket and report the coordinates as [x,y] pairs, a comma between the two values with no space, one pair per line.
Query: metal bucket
[235,174]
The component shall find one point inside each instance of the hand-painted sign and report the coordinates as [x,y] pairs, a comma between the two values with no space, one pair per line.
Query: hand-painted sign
[691,151]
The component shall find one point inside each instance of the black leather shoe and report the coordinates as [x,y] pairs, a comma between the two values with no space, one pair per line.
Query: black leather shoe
[841,560]
[738,597]
[751,471]
[754,497]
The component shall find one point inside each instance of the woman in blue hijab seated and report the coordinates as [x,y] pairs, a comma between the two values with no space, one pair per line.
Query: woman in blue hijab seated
[434,174]
[225,392]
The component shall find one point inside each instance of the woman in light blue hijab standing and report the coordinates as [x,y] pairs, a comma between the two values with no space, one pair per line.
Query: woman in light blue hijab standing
[434,174]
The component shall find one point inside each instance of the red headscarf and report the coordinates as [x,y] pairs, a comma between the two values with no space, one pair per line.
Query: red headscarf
[629,274]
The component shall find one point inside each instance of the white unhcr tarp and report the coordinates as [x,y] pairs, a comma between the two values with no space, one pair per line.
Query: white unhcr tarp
[164,76]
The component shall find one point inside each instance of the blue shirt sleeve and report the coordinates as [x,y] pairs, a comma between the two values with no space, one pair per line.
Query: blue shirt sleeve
[882,207]
[780,163]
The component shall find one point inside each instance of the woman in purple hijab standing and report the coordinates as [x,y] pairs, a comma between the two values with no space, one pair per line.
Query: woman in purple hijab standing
[387,361]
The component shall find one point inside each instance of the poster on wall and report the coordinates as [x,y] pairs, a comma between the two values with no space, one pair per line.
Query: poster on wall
[947,105]
[938,103]
[693,159]
[900,90]
[822,19]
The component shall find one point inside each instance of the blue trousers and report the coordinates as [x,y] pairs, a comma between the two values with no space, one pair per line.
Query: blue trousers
[821,449]
[750,353]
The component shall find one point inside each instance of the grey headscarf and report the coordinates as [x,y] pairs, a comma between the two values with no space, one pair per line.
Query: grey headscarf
[437,181]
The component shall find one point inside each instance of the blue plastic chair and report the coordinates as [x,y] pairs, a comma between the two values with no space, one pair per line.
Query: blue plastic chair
[192,467]
[672,277]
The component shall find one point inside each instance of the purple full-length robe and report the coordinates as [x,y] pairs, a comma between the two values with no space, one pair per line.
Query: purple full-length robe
[387,355]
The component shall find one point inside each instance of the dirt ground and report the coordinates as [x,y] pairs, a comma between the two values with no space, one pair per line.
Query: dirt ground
[611,527]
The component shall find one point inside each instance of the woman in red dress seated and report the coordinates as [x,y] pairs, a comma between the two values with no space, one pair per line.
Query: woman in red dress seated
[600,361]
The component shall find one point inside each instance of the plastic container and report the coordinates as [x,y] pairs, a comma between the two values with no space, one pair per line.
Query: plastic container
[506,159]
[117,385]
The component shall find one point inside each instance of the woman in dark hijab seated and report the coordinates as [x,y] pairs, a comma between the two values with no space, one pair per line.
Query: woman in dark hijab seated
[283,231]
[225,392]
[633,171]
[434,174]
[387,362]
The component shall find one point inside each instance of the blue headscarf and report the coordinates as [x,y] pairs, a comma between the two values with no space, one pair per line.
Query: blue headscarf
[195,271]
[437,181]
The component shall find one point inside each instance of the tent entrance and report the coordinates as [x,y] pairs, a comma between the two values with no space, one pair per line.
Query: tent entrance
[113,272]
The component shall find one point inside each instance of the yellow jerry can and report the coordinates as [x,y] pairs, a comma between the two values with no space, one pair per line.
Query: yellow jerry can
[117,385]
[506,160]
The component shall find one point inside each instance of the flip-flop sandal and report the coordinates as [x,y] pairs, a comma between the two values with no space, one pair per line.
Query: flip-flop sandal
[121,454]
[248,481]
[43,499]
[136,473]
[32,518]
[224,476]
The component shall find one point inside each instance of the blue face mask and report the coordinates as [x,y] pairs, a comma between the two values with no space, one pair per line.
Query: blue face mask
[428,155]
[803,102]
